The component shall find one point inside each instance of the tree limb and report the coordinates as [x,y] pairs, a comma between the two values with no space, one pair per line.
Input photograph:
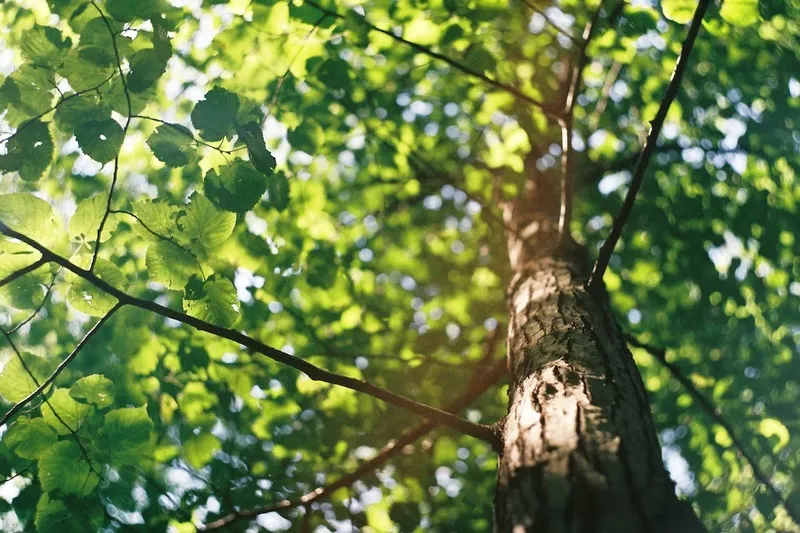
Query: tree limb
[450,61]
[596,279]
[660,354]
[484,380]
[314,372]
[22,271]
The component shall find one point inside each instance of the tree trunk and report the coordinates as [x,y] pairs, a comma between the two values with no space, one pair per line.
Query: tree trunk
[580,450]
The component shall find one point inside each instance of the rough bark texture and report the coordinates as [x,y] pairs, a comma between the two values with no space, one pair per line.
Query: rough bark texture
[580,451]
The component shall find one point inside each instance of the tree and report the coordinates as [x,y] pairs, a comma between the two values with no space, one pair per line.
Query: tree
[259,260]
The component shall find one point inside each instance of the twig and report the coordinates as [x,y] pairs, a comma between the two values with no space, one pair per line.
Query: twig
[705,404]
[314,372]
[41,304]
[596,279]
[10,478]
[124,132]
[60,368]
[192,137]
[488,378]
[549,21]
[550,113]
[40,390]
[565,214]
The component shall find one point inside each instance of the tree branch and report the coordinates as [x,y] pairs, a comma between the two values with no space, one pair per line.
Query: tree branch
[60,368]
[22,271]
[660,354]
[596,279]
[565,214]
[450,61]
[314,372]
[483,381]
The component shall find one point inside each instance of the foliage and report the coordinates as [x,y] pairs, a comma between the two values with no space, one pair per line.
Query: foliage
[322,177]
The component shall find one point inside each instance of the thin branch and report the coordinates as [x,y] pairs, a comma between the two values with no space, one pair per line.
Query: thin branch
[596,279]
[450,61]
[162,237]
[189,135]
[487,378]
[40,390]
[60,368]
[124,132]
[567,156]
[41,304]
[22,271]
[314,372]
[705,404]
[6,480]
[550,23]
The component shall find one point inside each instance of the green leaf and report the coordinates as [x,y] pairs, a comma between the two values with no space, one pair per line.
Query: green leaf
[95,389]
[422,31]
[95,44]
[77,109]
[67,411]
[125,435]
[63,468]
[128,10]
[199,449]
[279,191]
[87,298]
[54,515]
[204,225]
[214,116]
[82,74]
[321,264]
[740,12]
[15,381]
[213,300]
[100,140]
[147,66]
[30,437]
[29,215]
[260,157]
[236,187]
[680,11]
[29,152]
[44,44]
[85,223]
[173,145]
[169,264]
[158,216]
[27,291]
[772,427]
[26,94]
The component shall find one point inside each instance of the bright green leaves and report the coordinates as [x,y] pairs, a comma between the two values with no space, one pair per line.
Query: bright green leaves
[740,12]
[95,45]
[27,93]
[28,214]
[253,138]
[95,389]
[85,223]
[213,300]
[30,437]
[173,145]
[170,264]
[215,115]
[125,436]
[680,11]
[236,187]
[155,217]
[29,151]
[64,469]
[199,449]
[63,413]
[19,378]
[78,109]
[422,31]
[776,431]
[100,140]
[44,45]
[87,298]
[205,226]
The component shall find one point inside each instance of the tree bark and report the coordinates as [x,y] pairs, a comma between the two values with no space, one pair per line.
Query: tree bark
[580,451]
